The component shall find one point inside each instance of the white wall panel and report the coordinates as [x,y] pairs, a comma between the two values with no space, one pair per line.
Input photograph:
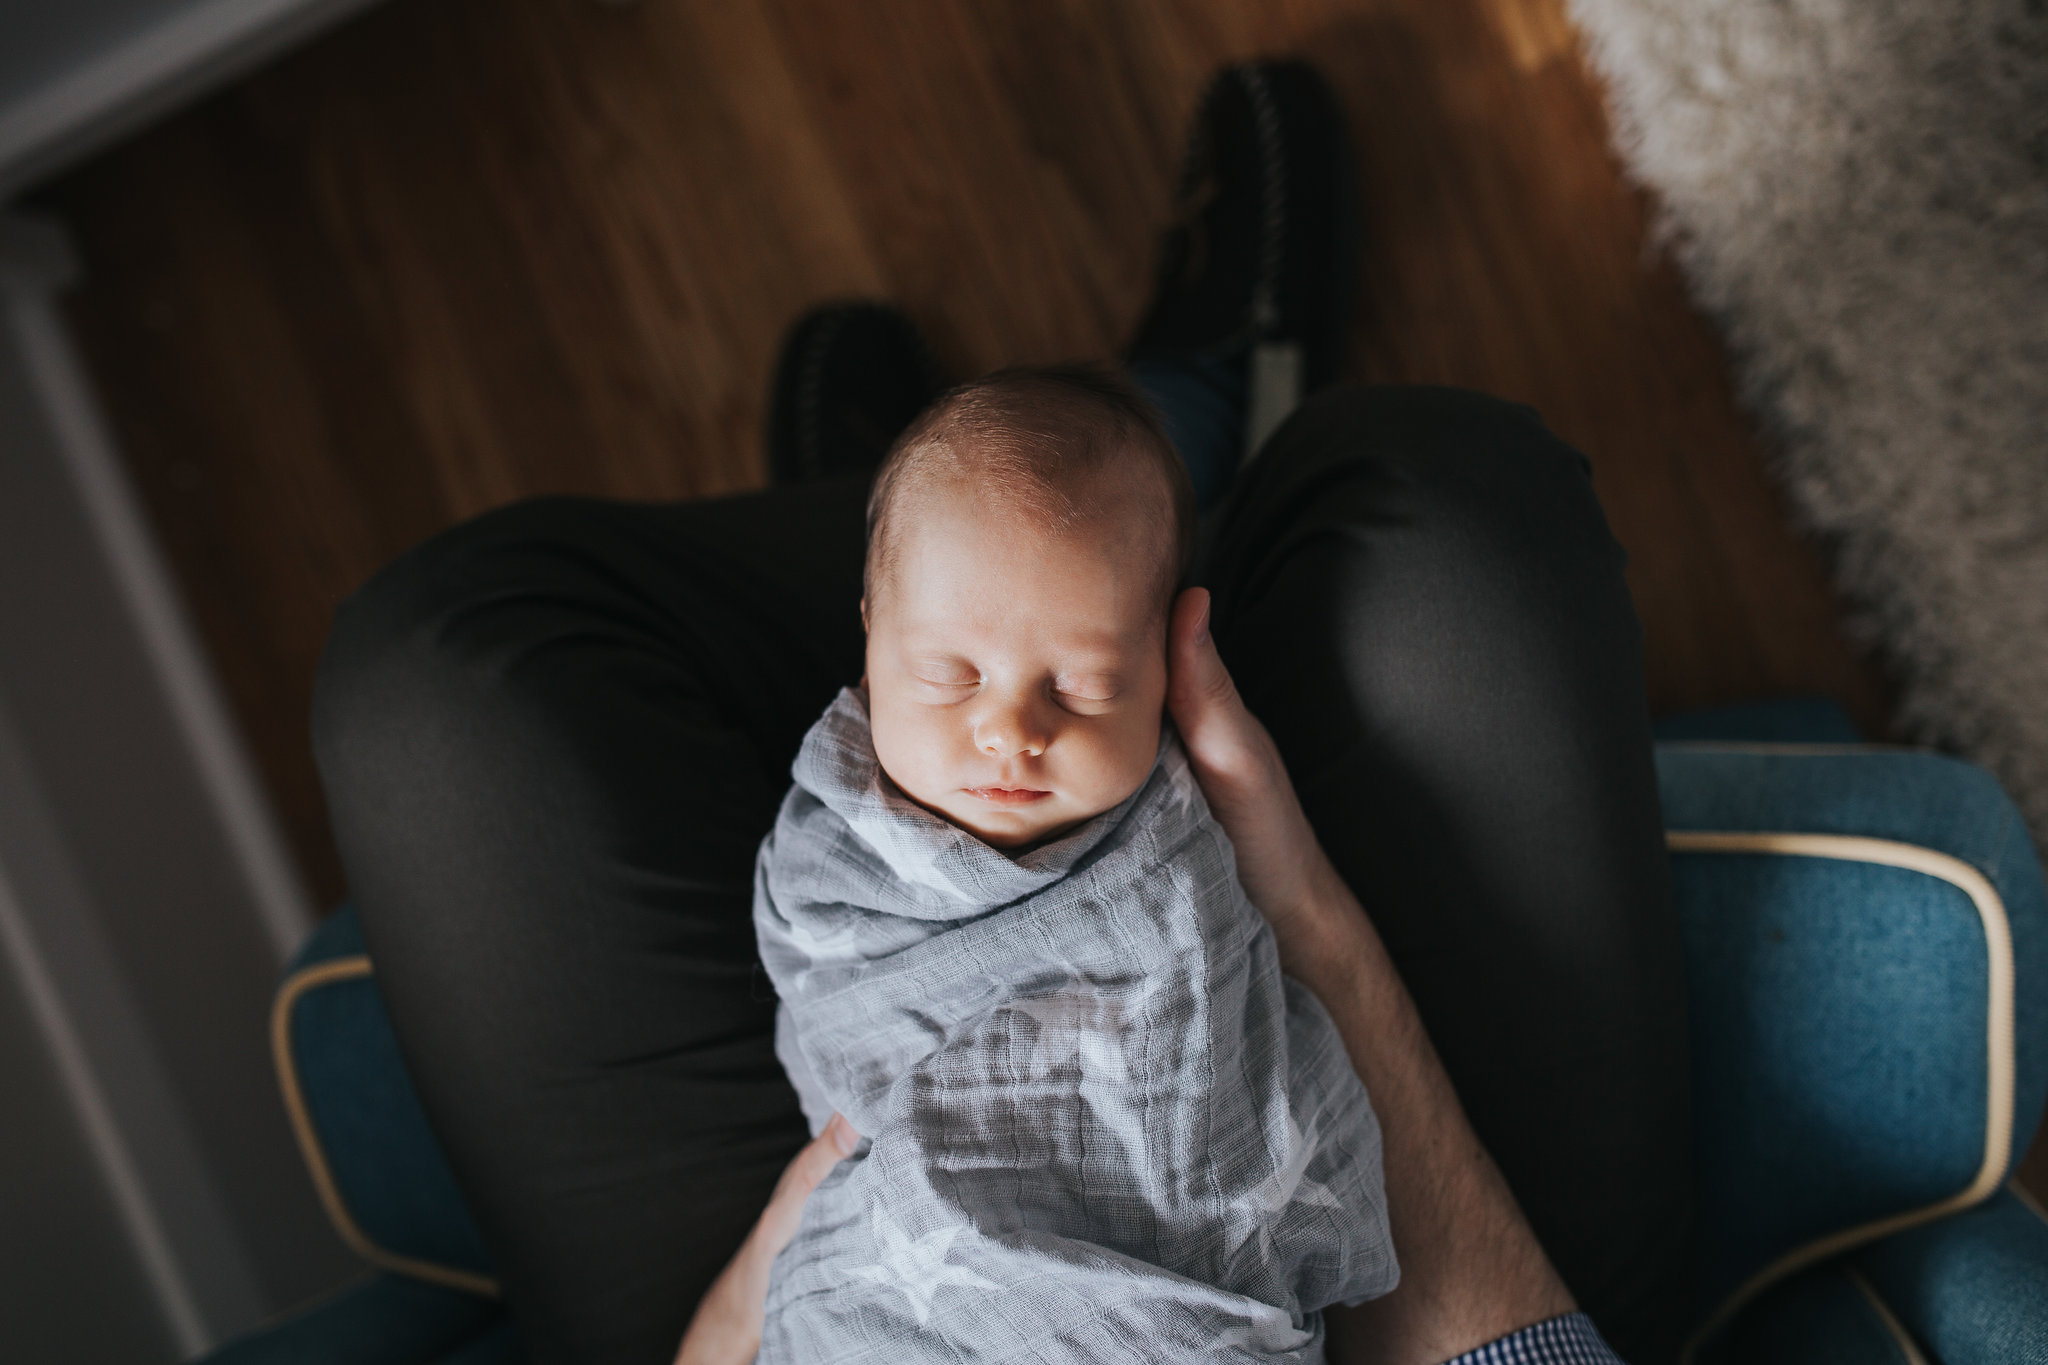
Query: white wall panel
[146,899]
[75,74]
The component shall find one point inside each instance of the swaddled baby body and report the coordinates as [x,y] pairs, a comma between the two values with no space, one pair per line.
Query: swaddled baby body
[1011,946]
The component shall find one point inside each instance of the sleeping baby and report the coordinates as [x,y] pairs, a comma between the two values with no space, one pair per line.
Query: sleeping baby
[1011,946]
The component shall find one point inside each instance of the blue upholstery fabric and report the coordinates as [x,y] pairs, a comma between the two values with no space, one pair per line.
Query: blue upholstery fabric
[386,1163]
[1839,1008]
[1831,1087]
[1789,720]
[389,1320]
[1817,1318]
[1972,1288]
[339,935]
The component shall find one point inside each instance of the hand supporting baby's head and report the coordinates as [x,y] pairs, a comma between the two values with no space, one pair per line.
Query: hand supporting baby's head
[1025,539]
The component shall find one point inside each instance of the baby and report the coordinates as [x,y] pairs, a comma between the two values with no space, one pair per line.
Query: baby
[1011,946]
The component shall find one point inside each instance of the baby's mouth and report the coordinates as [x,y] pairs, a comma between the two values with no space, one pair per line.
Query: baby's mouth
[1007,796]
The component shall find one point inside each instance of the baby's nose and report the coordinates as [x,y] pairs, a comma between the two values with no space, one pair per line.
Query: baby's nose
[1008,735]
[1006,745]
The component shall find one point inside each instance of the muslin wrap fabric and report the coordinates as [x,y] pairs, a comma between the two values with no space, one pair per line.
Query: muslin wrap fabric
[1101,1125]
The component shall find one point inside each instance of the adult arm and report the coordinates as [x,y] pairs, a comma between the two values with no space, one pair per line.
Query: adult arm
[1471,1268]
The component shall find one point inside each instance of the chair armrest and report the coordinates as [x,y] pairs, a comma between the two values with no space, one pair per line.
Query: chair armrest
[1866,939]
[1973,1287]
[375,1162]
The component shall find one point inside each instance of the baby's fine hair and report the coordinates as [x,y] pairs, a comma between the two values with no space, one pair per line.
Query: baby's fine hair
[1036,437]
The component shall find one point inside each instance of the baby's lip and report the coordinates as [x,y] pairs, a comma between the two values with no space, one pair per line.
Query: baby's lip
[1007,796]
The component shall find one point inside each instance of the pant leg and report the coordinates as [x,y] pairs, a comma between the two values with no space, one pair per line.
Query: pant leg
[1417,592]
[552,739]
[1201,403]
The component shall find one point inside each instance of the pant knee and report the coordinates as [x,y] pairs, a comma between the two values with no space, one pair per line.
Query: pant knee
[1436,435]
[406,652]
[1448,475]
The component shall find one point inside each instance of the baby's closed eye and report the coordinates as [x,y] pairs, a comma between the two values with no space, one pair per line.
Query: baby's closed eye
[1086,689]
[945,673]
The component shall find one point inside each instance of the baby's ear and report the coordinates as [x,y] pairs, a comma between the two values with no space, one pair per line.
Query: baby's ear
[863,611]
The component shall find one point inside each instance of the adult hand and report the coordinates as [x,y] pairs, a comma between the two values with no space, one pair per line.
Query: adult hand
[1281,865]
[727,1327]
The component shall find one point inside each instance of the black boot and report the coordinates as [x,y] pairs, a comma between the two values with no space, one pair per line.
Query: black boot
[1259,265]
[852,376]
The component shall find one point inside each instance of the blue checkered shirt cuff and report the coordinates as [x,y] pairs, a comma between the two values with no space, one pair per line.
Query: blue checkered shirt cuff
[1568,1340]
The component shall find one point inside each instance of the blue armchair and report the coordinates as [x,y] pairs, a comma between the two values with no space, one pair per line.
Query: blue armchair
[1866,939]
[1866,942]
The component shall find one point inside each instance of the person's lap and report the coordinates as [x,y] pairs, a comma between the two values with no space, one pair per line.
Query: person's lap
[552,739]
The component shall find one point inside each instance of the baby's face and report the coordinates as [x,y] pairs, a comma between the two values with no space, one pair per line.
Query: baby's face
[1016,678]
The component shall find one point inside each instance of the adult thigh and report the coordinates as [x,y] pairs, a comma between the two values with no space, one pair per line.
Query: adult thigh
[552,739]
[1419,595]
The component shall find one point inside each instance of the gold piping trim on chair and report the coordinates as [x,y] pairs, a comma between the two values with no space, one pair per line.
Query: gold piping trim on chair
[1790,748]
[1901,1338]
[1999,1060]
[296,985]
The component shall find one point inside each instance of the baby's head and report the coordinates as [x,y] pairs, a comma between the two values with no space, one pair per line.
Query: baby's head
[1025,539]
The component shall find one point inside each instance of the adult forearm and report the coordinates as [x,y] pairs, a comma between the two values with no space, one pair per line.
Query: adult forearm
[1471,1269]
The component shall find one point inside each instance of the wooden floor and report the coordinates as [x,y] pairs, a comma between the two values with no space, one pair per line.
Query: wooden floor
[463,251]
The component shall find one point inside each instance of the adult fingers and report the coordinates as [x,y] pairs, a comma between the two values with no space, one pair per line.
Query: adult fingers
[726,1329]
[786,1206]
[1199,688]
[1224,740]
[1238,765]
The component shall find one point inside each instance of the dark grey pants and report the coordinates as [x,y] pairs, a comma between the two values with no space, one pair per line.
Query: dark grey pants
[552,738]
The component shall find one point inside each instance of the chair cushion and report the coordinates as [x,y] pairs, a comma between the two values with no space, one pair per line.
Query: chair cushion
[379,1169]
[1866,942]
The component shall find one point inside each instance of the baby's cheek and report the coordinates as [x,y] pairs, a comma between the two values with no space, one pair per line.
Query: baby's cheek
[1122,761]
[900,747]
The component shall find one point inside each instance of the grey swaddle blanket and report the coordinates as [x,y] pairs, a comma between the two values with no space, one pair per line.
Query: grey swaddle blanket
[1102,1125]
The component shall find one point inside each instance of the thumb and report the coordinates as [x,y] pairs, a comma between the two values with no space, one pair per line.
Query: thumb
[818,1157]
[1199,688]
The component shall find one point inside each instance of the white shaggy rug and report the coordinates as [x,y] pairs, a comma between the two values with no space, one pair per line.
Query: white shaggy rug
[1857,190]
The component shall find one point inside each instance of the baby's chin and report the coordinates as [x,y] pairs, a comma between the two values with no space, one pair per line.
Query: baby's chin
[1019,841]
[1011,831]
